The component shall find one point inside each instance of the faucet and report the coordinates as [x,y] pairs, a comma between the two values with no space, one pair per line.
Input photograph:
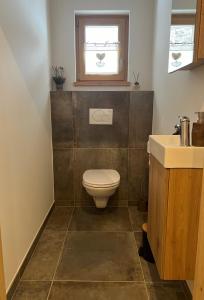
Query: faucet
[177,129]
[185,131]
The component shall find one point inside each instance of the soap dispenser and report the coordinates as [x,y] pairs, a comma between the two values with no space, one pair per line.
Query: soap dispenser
[198,131]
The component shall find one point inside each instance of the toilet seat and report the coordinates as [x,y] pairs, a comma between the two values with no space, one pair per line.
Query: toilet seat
[101,178]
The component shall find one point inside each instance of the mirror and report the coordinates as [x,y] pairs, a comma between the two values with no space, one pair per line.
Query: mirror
[182,34]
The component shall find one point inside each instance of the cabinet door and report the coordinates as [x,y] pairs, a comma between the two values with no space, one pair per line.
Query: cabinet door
[182,223]
[157,211]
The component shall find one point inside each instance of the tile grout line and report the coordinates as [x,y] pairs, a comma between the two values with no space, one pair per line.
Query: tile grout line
[105,231]
[107,281]
[139,257]
[87,281]
[130,218]
[148,297]
[99,148]
[93,206]
[60,254]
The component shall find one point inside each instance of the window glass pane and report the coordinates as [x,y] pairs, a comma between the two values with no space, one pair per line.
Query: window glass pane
[181,46]
[101,50]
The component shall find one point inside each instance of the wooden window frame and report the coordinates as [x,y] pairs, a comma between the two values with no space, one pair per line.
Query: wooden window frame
[122,21]
[183,19]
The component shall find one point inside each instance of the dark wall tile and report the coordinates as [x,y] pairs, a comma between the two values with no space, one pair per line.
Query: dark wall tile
[62,119]
[140,124]
[138,170]
[108,136]
[132,122]
[106,159]
[63,177]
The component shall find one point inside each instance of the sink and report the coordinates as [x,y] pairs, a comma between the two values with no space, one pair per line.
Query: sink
[167,150]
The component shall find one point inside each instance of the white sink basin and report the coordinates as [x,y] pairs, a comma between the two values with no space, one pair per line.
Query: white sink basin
[167,150]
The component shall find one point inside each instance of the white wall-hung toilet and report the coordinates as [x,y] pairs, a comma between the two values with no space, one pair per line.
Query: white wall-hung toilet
[101,184]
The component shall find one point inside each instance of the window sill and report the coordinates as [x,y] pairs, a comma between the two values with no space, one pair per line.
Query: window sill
[102,83]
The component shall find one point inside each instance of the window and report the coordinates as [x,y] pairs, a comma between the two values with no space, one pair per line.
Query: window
[101,49]
[181,41]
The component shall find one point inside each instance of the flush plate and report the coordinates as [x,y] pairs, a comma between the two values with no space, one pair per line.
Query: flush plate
[100,116]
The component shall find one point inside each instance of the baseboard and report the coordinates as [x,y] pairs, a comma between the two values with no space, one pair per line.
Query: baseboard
[24,263]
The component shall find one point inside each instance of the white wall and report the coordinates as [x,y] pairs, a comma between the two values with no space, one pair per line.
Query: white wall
[184,4]
[141,29]
[179,93]
[26,192]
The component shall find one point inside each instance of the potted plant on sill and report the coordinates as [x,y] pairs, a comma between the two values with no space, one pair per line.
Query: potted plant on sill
[58,77]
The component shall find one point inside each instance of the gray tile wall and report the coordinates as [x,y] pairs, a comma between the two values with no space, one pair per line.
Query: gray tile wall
[78,146]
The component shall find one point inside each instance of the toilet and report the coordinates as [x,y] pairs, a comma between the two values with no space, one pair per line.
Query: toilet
[101,184]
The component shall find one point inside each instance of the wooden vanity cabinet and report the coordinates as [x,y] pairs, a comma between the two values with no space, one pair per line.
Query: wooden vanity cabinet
[173,216]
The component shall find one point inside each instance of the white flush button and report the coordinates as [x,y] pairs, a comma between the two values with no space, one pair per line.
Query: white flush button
[100,116]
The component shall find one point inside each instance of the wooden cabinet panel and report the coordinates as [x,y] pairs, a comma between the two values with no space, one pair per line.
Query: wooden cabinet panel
[173,214]
[198,290]
[157,209]
[182,223]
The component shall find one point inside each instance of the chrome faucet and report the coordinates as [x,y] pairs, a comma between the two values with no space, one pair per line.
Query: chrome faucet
[185,131]
[177,129]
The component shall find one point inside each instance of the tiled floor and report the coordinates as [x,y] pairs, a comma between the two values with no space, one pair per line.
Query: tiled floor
[89,254]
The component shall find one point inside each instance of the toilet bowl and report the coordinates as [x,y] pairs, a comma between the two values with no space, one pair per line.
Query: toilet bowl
[101,184]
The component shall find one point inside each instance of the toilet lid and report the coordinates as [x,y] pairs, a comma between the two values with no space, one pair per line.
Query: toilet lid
[101,177]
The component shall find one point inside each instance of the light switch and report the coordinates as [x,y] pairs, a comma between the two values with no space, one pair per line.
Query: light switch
[100,116]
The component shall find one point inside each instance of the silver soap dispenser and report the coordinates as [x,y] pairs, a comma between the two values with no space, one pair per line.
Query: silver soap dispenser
[185,131]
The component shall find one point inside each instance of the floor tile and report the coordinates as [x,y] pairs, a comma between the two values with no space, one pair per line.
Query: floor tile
[93,219]
[60,218]
[137,218]
[165,291]
[32,290]
[150,272]
[44,260]
[100,256]
[99,291]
